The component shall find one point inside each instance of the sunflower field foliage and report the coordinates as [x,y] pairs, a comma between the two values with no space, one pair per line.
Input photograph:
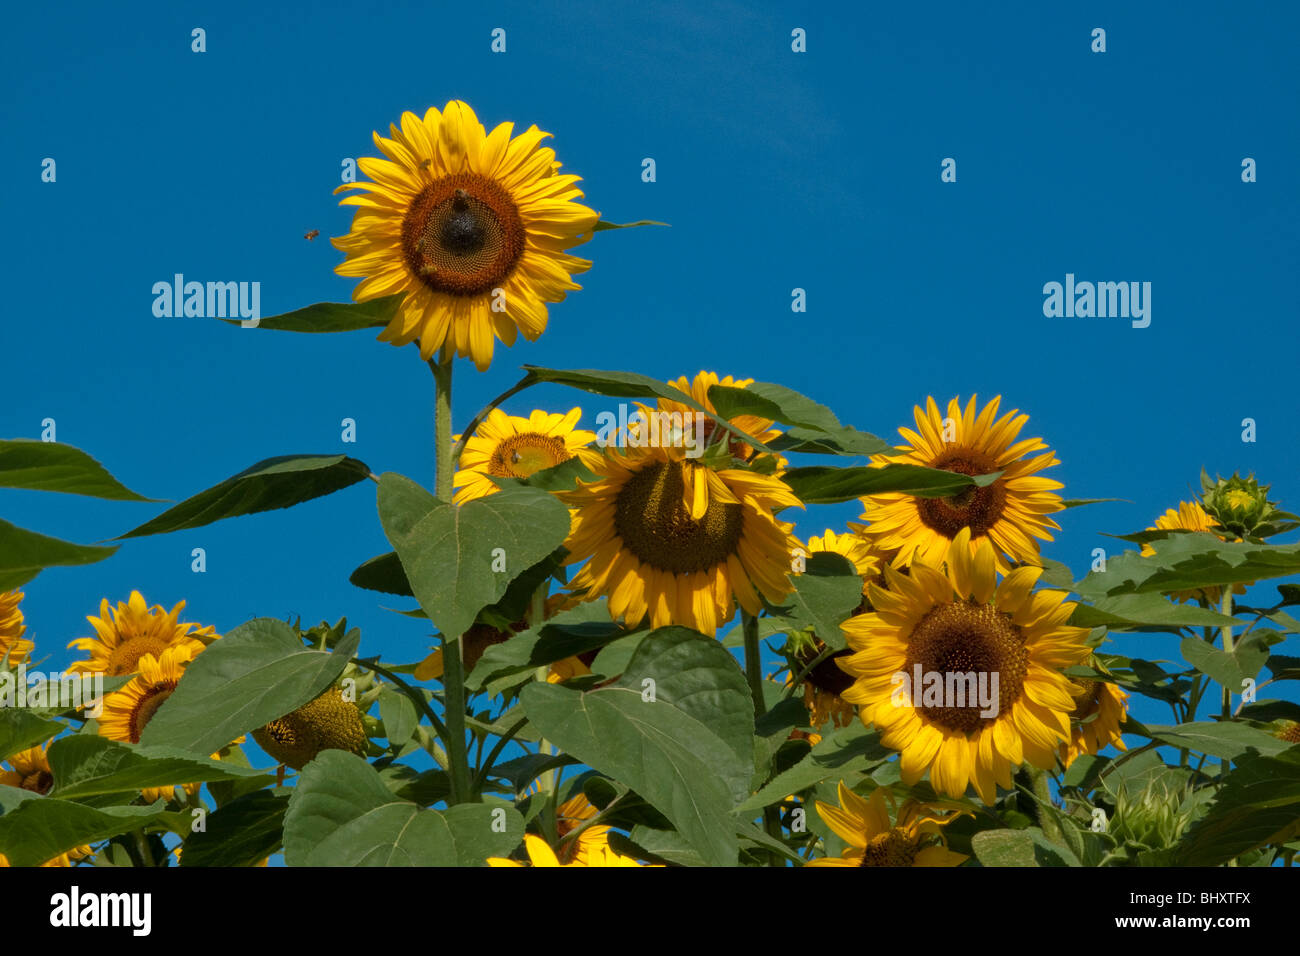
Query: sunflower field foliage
[634,660]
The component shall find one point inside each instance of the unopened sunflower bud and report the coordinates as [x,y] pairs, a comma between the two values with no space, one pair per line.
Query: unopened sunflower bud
[1241,506]
[326,723]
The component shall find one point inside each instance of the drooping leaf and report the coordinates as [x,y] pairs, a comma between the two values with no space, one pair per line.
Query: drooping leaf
[24,554]
[342,814]
[825,594]
[453,554]
[332,316]
[257,673]
[274,483]
[53,466]
[822,484]
[814,423]
[843,754]
[87,765]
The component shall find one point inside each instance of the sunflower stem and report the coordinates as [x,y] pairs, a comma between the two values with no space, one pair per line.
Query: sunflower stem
[453,665]
[1041,789]
[754,673]
[1226,610]
[537,614]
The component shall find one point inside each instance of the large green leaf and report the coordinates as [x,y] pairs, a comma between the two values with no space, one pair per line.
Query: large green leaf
[24,554]
[332,316]
[677,764]
[449,551]
[86,765]
[1230,670]
[52,466]
[1259,804]
[21,729]
[815,424]
[629,385]
[34,829]
[1020,848]
[243,832]
[1188,560]
[257,673]
[825,594]
[342,814]
[822,484]
[1148,612]
[698,677]
[1227,739]
[843,754]
[274,483]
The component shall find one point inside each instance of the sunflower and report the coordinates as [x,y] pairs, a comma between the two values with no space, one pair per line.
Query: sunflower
[698,388]
[127,711]
[540,853]
[1011,512]
[915,838]
[664,536]
[471,226]
[1095,720]
[960,621]
[132,631]
[510,447]
[12,629]
[1190,516]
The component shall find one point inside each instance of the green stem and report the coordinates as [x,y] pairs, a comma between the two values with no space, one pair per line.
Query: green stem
[754,674]
[453,666]
[1226,610]
[1039,786]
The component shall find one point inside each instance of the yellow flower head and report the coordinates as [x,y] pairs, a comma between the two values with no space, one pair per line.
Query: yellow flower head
[598,853]
[31,770]
[1190,516]
[679,541]
[937,633]
[1095,721]
[698,389]
[133,630]
[471,226]
[510,447]
[1011,513]
[12,629]
[915,838]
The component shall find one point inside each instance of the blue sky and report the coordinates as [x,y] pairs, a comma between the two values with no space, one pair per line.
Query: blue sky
[777,170]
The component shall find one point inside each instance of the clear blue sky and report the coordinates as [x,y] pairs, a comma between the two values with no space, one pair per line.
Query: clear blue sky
[777,170]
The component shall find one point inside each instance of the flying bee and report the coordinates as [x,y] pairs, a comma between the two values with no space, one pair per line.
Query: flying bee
[309,236]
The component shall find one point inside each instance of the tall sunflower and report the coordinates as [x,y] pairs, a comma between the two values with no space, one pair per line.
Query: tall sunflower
[914,838]
[1011,512]
[123,636]
[679,541]
[12,629]
[127,711]
[960,620]
[511,447]
[1190,516]
[472,226]
[1095,721]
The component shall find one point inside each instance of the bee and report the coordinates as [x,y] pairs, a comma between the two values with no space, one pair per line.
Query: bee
[309,236]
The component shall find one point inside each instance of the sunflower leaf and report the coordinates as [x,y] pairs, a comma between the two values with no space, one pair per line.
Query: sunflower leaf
[243,832]
[331,316]
[1145,612]
[21,729]
[585,627]
[461,559]
[86,765]
[825,594]
[24,554]
[1229,670]
[814,423]
[274,483]
[34,828]
[1226,739]
[52,466]
[342,814]
[1259,804]
[1188,560]
[844,754]
[604,225]
[257,673]
[822,484]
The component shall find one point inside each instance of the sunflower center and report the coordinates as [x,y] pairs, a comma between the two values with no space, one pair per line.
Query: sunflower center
[1290,734]
[657,527]
[38,781]
[526,454]
[1086,702]
[962,638]
[894,847]
[148,704]
[974,508]
[463,235]
[126,656]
